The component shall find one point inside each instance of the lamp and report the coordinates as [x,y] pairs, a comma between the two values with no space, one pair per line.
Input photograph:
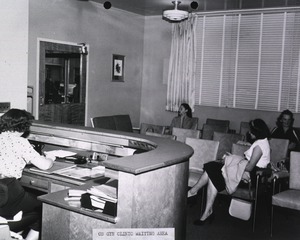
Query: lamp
[175,15]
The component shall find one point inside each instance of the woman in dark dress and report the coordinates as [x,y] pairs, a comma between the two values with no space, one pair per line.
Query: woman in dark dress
[258,156]
[285,130]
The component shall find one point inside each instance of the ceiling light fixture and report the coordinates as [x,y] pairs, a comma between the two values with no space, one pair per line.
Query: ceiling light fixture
[175,15]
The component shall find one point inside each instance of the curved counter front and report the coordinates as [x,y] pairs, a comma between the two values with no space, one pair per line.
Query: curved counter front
[152,183]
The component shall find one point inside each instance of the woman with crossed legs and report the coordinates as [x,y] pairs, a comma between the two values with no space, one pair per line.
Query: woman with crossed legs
[258,156]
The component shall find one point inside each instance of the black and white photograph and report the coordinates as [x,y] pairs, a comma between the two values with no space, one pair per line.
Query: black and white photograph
[118,68]
[150,120]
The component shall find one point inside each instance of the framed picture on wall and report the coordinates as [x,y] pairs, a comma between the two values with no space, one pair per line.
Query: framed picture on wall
[118,68]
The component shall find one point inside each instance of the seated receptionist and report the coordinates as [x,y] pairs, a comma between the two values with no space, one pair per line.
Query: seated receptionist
[15,153]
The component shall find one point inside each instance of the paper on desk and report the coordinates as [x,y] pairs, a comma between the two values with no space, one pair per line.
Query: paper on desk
[82,173]
[61,153]
[56,168]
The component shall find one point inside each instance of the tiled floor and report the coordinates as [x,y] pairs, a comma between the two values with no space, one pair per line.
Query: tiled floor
[224,227]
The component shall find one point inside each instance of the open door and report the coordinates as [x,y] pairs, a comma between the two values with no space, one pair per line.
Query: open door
[62,83]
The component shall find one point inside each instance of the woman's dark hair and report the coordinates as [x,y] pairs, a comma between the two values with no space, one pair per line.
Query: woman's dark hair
[16,120]
[188,108]
[285,112]
[259,129]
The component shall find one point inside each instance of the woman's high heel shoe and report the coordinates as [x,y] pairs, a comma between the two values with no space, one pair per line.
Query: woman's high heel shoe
[209,219]
[190,194]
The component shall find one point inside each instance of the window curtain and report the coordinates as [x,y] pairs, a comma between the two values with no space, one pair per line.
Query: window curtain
[181,75]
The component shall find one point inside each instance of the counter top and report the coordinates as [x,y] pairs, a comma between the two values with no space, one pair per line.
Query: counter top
[156,152]
[167,152]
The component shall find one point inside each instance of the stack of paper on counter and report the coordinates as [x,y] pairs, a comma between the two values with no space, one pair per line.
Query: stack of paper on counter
[100,198]
[97,202]
[74,194]
[105,192]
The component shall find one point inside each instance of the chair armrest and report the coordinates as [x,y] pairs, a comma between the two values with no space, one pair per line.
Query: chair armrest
[267,172]
[280,174]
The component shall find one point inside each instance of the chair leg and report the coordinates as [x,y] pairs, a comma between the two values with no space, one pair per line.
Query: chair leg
[271,221]
[255,202]
[254,215]
[279,187]
[274,185]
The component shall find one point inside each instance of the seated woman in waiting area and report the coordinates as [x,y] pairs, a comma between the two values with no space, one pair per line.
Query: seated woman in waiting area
[184,118]
[285,130]
[258,156]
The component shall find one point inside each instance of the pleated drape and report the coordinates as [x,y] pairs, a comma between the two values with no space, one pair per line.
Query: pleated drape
[181,75]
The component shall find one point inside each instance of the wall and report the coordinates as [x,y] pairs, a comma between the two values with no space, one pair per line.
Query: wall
[237,115]
[13,53]
[106,32]
[157,44]
[145,43]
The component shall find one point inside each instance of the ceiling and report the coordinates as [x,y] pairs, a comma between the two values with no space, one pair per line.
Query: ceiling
[156,7]
[147,7]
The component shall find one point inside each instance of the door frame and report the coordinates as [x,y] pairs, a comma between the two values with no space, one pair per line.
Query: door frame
[37,86]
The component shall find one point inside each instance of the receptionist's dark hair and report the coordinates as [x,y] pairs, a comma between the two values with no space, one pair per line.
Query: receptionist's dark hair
[16,120]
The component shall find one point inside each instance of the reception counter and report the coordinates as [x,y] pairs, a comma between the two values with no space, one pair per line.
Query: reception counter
[152,182]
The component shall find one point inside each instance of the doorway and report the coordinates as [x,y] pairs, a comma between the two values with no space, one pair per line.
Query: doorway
[62,83]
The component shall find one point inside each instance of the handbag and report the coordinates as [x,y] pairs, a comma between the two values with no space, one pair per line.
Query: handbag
[240,209]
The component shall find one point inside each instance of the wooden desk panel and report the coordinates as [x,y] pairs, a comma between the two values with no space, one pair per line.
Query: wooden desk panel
[152,184]
[154,199]
[47,182]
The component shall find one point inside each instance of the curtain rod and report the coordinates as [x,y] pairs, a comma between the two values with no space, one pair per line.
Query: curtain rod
[250,11]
